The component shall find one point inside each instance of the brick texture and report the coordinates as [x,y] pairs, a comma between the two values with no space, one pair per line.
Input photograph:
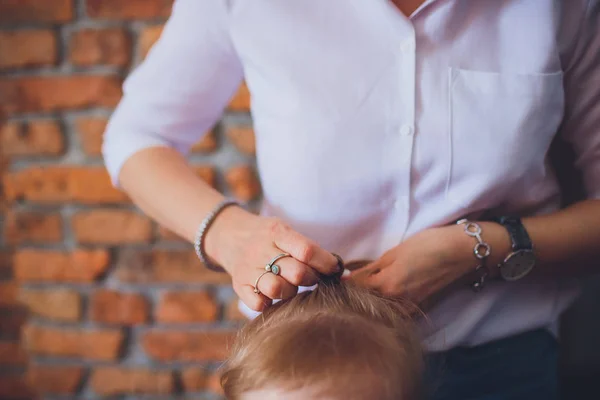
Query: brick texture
[207,144]
[12,353]
[242,138]
[243,182]
[96,344]
[89,131]
[241,100]
[57,304]
[194,379]
[36,138]
[15,387]
[58,93]
[129,9]
[109,381]
[50,379]
[27,48]
[111,307]
[187,346]
[100,47]
[32,227]
[97,300]
[206,173]
[148,37]
[62,184]
[111,227]
[164,266]
[79,266]
[31,11]
[186,307]
[9,293]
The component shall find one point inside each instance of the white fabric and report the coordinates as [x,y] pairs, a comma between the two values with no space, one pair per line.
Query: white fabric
[371,126]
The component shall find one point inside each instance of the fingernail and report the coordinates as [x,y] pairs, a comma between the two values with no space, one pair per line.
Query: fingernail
[346,273]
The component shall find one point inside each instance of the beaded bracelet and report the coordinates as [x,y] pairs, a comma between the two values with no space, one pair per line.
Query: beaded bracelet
[203,228]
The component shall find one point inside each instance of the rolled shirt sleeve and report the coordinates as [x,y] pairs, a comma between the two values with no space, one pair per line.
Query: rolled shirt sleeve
[180,90]
[581,125]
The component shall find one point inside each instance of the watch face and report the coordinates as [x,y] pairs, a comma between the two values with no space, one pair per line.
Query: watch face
[517,265]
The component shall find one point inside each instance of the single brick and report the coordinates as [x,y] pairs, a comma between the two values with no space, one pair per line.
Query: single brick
[164,266]
[54,379]
[58,93]
[36,138]
[90,131]
[186,307]
[129,9]
[111,227]
[207,144]
[166,346]
[93,344]
[241,100]
[194,379]
[111,307]
[100,47]
[11,353]
[9,293]
[243,182]
[20,11]
[88,185]
[27,48]
[56,304]
[148,37]
[79,266]
[243,139]
[109,381]
[38,184]
[92,185]
[23,227]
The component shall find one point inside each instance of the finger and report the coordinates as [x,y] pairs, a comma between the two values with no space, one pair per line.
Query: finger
[368,276]
[297,273]
[275,287]
[254,301]
[303,249]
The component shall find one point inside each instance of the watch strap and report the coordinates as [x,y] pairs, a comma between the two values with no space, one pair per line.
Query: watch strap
[518,234]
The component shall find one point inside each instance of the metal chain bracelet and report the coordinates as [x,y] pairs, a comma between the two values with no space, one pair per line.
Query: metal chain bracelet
[481,251]
[203,228]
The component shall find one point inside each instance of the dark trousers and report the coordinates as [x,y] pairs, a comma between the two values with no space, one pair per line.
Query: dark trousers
[522,367]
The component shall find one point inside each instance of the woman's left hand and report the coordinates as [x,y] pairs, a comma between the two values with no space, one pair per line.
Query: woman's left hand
[429,262]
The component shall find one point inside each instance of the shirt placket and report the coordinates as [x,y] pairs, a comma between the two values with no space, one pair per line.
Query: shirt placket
[405,130]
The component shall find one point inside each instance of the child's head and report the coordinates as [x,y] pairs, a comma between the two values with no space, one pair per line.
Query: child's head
[336,342]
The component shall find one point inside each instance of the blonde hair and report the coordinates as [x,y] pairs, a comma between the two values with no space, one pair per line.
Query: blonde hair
[344,341]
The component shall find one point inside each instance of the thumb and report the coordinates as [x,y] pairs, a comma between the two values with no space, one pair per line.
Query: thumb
[359,270]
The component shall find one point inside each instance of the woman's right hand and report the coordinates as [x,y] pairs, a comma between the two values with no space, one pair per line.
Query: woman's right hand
[243,243]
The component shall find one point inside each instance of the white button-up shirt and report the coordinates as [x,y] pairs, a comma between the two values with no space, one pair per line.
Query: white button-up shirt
[371,126]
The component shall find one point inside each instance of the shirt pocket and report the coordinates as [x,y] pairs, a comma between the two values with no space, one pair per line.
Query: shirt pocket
[500,129]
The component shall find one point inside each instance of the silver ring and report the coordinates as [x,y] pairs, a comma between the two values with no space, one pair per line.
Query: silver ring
[256,290]
[274,268]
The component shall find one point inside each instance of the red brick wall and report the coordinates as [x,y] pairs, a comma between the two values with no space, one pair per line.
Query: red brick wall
[95,299]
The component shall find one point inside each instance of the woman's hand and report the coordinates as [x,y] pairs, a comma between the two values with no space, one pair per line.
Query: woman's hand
[429,262]
[244,243]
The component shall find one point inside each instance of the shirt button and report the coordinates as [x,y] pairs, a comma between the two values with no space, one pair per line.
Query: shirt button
[406,46]
[406,130]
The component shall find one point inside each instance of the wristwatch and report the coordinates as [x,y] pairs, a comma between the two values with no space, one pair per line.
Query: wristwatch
[521,260]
